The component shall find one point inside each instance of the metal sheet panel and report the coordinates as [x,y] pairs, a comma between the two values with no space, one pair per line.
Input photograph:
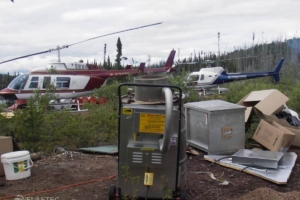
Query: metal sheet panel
[103,149]
[257,158]
[278,176]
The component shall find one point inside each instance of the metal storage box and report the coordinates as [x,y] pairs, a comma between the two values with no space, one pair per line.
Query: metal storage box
[215,126]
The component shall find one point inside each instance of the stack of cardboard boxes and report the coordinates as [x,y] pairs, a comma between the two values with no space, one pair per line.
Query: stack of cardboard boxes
[273,133]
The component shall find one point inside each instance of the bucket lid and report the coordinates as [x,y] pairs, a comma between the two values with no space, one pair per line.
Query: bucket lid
[15,154]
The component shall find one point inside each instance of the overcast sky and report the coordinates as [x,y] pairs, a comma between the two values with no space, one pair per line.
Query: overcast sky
[30,26]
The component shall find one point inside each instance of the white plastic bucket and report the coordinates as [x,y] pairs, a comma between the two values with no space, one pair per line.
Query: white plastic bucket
[16,165]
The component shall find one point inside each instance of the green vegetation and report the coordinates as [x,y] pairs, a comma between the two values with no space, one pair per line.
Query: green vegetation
[134,180]
[167,192]
[255,57]
[5,79]
[39,128]
[190,94]
[119,54]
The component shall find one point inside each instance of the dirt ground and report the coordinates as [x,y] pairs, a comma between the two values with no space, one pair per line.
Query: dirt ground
[88,176]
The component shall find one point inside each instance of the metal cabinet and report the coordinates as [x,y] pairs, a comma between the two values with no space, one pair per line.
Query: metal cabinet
[215,126]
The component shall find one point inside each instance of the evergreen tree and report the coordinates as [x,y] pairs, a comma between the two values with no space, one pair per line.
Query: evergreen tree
[7,79]
[108,63]
[119,54]
[1,81]
[105,65]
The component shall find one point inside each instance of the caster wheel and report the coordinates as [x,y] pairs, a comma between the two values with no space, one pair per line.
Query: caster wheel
[183,194]
[112,192]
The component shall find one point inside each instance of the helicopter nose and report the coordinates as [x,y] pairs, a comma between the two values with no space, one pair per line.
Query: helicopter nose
[8,94]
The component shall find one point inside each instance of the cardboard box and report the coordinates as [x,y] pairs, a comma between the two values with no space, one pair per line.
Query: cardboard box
[296,131]
[248,112]
[267,102]
[274,118]
[273,136]
[6,146]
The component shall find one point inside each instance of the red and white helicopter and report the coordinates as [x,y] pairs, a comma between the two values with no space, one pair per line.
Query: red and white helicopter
[72,80]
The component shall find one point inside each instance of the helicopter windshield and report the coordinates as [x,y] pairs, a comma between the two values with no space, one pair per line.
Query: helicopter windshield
[190,79]
[19,82]
[193,77]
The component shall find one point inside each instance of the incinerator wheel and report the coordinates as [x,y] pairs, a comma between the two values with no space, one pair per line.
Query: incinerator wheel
[183,194]
[112,192]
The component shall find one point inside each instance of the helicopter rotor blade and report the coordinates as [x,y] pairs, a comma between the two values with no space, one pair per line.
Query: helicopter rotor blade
[186,63]
[240,58]
[67,46]
[113,33]
[26,56]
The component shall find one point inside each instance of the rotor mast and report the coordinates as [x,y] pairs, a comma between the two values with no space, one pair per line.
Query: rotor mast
[58,54]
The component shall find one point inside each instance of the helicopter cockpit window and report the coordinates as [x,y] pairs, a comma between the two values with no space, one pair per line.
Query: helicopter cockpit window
[19,82]
[34,82]
[62,82]
[194,78]
[202,77]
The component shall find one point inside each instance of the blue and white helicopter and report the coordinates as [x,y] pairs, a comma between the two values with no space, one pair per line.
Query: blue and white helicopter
[211,77]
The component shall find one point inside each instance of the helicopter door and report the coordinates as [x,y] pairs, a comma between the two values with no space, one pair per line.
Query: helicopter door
[210,78]
[206,79]
[201,78]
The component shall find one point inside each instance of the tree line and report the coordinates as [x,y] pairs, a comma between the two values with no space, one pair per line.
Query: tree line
[255,57]
[264,56]
[5,79]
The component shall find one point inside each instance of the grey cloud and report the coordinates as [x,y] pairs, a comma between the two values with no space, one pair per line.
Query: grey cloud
[33,25]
